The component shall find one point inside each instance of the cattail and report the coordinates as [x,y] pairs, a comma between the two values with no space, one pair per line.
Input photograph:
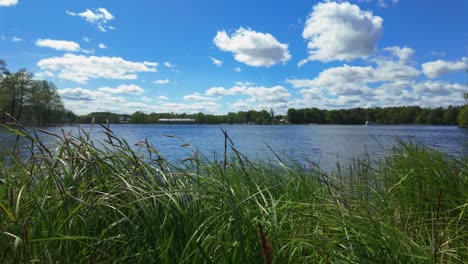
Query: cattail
[267,251]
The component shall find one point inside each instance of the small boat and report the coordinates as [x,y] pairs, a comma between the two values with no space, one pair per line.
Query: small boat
[371,123]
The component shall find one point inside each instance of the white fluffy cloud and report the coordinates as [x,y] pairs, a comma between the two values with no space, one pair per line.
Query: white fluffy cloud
[217,91]
[345,80]
[393,71]
[439,88]
[253,48]
[261,98]
[341,31]
[81,68]
[58,44]
[8,2]
[102,46]
[197,107]
[199,97]
[83,101]
[385,83]
[221,91]
[123,89]
[389,83]
[267,95]
[438,68]
[100,17]
[216,62]
[79,94]
[258,97]
[16,39]
[404,54]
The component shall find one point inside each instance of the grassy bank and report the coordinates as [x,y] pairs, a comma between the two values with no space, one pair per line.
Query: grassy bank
[102,202]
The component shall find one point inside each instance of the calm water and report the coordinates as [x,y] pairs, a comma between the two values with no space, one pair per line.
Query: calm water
[323,144]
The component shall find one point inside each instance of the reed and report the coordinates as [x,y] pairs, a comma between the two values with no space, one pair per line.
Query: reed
[81,201]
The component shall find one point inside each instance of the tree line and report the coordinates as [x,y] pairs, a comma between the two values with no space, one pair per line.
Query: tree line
[262,117]
[384,116]
[29,101]
[451,115]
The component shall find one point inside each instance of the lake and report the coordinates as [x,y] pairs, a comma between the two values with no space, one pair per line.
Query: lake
[322,144]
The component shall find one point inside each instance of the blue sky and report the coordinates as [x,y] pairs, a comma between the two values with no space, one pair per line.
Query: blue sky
[226,56]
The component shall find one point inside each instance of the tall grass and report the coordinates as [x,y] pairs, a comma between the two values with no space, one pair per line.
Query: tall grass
[105,202]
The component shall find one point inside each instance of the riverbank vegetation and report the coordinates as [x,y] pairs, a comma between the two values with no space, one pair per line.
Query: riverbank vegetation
[80,201]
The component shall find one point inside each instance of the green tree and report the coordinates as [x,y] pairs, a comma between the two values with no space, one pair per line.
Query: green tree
[13,90]
[22,81]
[463,117]
[463,114]
[138,118]
[44,103]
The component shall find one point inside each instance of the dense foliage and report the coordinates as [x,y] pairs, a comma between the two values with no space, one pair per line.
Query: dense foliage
[241,117]
[463,115]
[29,101]
[81,202]
[387,115]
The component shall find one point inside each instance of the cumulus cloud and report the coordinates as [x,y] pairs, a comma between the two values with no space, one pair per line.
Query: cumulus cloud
[378,84]
[221,91]
[64,45]
[439,88]
[217,91]
[80,68]
[123,89]
[389,83]
[346,80]
[199,97]
[78,94]
[267,95]
[84,101]
[99,17]
[404,54]
[438,68]
[216,62]
[260,98]
[196,107]
[8,2]
[253,48]
[102,46]
[393,71]
[257,97]
[163,81]
[341,31]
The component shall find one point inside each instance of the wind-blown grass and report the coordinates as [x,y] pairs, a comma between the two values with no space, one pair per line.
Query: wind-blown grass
[104,202]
